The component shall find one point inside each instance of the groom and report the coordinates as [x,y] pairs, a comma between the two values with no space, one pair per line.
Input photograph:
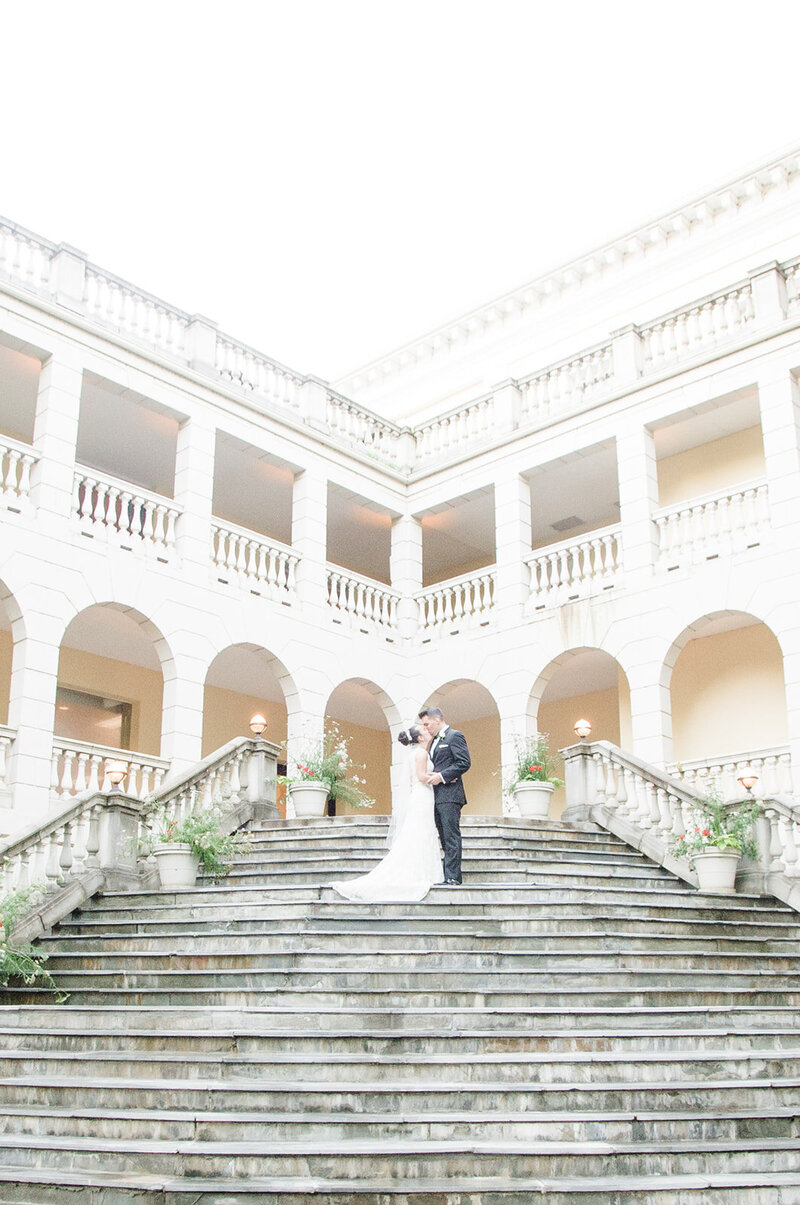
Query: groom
[450,757]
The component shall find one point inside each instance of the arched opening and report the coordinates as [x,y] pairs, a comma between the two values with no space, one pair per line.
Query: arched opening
[363,713]
[471,709]
[109,695]
[582,683]
[727,692]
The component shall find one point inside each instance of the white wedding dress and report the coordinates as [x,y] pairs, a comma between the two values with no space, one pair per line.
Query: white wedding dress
[414,862]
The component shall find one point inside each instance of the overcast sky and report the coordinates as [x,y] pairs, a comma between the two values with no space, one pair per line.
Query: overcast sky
[328,179]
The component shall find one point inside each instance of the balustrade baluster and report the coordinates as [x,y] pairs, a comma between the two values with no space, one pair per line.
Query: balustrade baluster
[775,850]
[789,848]
[66,775]
[52,868]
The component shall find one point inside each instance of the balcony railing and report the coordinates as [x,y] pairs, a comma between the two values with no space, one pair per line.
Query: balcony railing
[108,508]
[568,384]
[260,564]
[361,602]
[691,329]
[365,430]
[773,767]
[713,524]
[16,462]
[463,602]
[575,568]
[79,767]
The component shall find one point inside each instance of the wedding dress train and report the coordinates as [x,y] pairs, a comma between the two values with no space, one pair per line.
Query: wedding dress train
[414,862]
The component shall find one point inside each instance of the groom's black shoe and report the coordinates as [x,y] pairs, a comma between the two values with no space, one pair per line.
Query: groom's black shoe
[452,883]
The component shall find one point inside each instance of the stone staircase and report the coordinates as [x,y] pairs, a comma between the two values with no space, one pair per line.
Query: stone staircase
[571,1022]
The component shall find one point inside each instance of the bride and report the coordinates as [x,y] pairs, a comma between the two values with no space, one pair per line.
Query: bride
[414,862]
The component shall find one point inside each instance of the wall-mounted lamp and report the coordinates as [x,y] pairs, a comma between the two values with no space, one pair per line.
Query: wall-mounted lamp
[748,778]
[117,772]
[583,729]
[257,725]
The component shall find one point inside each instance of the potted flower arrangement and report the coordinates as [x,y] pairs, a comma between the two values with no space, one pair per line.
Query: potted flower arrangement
[718,837]
[531,781]
[22,961]
[182,847]
[325,771]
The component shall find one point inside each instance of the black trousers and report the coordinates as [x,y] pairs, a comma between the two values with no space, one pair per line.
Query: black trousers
[448,825]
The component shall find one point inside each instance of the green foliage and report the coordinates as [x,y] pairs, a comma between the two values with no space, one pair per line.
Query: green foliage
[717,825]
[329,761]
[21,960]
[203,832]
[533,762]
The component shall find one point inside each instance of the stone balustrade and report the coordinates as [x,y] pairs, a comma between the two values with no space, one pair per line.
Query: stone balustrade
[66,843]
[567,385]
[713,524]
[575,568]
[456,431]
[116,303]
[360,601]
[264,566]
[773,767]
[78,767]
[461,602]
[24,256]
[16,462]
[706,323]
[257,373]
[363,429]
[108,508]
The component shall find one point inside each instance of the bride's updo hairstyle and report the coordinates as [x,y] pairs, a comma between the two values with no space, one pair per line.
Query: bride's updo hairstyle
[409,736]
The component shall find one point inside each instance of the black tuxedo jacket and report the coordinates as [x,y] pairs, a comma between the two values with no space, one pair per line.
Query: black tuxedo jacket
[451,759]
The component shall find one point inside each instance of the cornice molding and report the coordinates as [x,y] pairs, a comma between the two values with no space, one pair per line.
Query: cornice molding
[700,212]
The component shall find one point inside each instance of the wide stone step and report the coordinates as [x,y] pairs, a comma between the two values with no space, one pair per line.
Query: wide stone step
[207,941]
[427,1067]
[500,854]
[324,1017]
[655,1126]
[43,1186]
[405,964]
[395,1097]
[360,1039]
[405,1159]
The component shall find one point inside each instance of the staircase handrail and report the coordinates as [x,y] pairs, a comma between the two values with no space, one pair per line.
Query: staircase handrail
[649,809]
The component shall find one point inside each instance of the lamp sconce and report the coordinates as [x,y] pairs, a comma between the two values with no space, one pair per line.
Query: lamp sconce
[117,772]
[748,778]
[257,725]
[583,729]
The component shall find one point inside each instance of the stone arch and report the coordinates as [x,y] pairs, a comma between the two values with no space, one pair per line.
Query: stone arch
[12,631]
[580,683]
[471,707]
[114,653]
[725,681]
[368,718]
[242,679]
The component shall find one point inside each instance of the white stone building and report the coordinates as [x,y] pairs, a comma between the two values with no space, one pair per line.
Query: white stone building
[582,499]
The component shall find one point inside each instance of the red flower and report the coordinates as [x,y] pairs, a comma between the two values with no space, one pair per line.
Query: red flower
[682,837]
[533,768]
[706,833]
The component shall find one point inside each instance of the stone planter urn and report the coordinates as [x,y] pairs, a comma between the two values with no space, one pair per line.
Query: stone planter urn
[309,798]
[533,799]
[177,865]
[716,870]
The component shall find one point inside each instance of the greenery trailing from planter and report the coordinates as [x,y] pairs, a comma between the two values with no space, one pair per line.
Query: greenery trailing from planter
[328,761]
[203,833]
[717,825]
[533,762]
[22,961]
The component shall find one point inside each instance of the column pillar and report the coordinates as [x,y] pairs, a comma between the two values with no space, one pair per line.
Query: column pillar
[310,537]
[182,712]
[779,403]
[405,571]
[638,499]
[194,491]
[55,434]
[651,713]
[31,711]
[512,513]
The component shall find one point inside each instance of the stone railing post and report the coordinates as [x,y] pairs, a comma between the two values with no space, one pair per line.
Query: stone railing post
[507,406]
[119,840]
[68,276]
[201,342]
[262,772]
[578,780]
[628,355]
[314,402]
[770,299]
